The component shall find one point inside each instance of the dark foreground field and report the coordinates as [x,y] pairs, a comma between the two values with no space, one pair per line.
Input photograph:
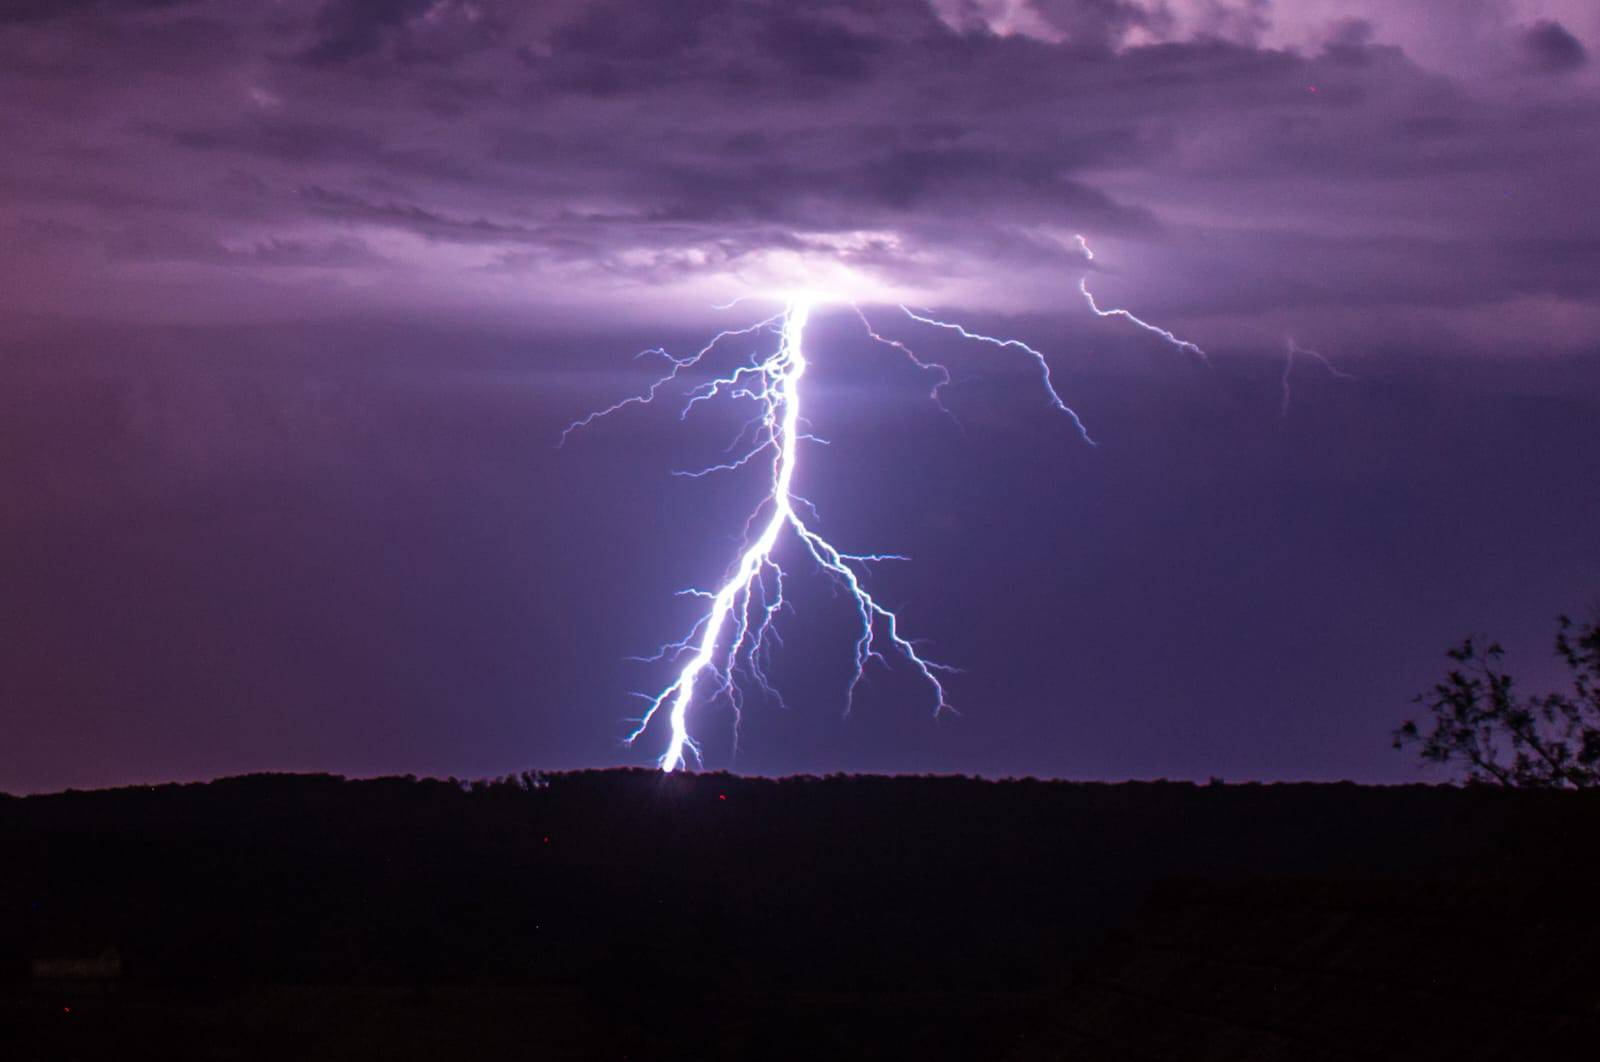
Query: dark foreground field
[624,914]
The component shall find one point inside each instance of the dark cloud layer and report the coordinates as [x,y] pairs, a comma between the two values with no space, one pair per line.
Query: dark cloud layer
[1553,48]
[633,152]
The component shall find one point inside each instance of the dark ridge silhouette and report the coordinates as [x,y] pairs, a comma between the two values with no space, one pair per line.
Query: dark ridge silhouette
[624,913]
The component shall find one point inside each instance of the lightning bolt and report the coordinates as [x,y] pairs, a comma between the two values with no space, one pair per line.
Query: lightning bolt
[1088,296]
[1293,351]
[736,632]
[1044,366]
[738,627]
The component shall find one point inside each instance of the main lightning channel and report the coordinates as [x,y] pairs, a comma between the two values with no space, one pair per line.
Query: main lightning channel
[751,595]
[734,635]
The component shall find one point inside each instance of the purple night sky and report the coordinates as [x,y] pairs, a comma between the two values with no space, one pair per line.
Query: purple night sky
[297,297]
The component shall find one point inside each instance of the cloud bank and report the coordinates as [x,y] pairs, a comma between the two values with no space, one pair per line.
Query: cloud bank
[1379,173]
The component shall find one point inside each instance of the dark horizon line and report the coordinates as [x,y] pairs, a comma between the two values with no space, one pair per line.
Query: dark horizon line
[535,777]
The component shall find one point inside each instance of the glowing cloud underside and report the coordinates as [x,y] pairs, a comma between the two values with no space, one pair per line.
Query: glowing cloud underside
[735,635]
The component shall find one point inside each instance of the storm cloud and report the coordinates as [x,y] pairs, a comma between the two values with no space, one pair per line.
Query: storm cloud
[1244,165]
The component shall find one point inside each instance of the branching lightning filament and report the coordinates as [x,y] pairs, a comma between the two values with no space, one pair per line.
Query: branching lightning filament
[1088,296]
[738,626]
[1293,351]
[732,640]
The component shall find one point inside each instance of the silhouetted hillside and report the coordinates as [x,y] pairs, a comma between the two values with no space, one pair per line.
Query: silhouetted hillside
[1322,970]
[625,913]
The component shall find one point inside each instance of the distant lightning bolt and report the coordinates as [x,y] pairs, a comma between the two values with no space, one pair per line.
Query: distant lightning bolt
[736,632]
[1083,287]
[1293,351]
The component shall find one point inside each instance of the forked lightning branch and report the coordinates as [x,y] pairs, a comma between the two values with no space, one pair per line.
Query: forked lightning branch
[728,649]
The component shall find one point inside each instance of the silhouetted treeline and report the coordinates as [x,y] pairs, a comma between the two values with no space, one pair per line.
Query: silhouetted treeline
[648,898]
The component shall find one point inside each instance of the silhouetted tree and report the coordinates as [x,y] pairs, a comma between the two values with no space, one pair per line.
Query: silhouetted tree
[1478,721]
